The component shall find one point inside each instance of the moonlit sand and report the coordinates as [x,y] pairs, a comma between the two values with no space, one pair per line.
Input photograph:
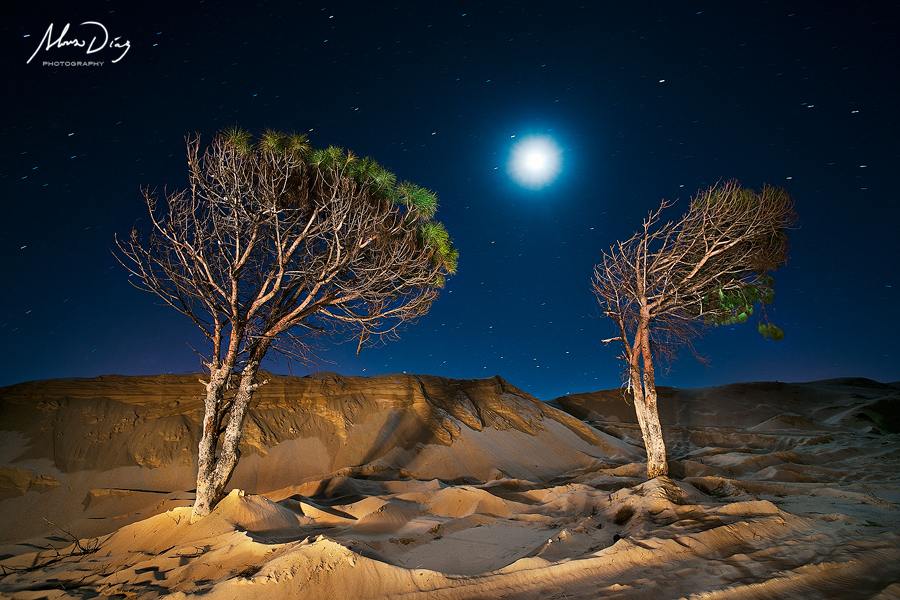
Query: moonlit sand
[424,487]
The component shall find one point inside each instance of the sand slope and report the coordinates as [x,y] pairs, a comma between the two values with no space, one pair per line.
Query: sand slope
[95,454]
[778,491]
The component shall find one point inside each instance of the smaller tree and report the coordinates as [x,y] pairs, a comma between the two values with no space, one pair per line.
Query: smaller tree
[272,242]
[663,285]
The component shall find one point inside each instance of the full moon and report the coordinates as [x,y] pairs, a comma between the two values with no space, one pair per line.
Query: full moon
[535,161]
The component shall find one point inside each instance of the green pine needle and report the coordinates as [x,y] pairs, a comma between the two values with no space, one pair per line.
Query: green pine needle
[435,236]
[770,331]
[238,138]
[419,199]
[297,143]
[273,141]
[421,202]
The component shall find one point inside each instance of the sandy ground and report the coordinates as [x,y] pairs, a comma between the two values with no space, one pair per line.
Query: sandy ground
[453,489]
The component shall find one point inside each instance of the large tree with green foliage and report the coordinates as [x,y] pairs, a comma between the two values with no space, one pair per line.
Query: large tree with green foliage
[273,242]
[711,266]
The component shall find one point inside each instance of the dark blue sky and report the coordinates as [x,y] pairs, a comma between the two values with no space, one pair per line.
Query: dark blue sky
[646,102]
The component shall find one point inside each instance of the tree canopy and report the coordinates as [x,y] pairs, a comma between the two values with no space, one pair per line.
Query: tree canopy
[282,235]
[711,266]
[272,242]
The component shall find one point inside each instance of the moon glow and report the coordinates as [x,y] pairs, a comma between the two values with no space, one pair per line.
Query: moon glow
[535,161]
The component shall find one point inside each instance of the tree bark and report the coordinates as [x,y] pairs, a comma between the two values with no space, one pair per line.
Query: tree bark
[230,451]
[214,470]
[637,388]
[206,455]
[643,386]
[657,465]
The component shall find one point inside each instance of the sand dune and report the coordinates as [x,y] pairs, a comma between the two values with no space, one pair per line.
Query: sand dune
[97,454]
[420,487]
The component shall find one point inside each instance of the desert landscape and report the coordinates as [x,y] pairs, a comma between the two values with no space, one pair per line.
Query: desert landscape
[424,487]
[450,301]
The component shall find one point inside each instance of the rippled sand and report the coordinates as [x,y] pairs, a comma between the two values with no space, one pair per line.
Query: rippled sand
[454,489]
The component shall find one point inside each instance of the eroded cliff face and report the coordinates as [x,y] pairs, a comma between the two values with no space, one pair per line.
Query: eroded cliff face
[424,487]
[115,441]
[853,404]
[117,421]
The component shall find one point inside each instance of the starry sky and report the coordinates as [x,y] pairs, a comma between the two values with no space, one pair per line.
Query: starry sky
[645,101]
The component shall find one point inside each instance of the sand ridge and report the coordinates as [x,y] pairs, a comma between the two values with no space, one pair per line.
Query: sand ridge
[124,447]
[765,506]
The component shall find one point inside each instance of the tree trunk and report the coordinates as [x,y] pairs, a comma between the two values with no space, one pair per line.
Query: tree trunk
[206,455]
[643,387]
[206,496]
[215,471]
[637,388]
[653,437]
[230,451]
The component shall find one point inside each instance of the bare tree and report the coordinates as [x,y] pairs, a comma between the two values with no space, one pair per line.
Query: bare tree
[271,243]
[671,279]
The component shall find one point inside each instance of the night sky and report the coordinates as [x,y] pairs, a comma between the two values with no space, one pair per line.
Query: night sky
[645,102]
